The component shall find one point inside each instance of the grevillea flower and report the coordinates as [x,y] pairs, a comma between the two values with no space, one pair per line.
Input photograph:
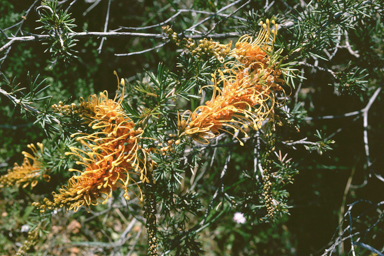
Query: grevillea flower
[241,102]
[109,156]
[30,172]
[248,91]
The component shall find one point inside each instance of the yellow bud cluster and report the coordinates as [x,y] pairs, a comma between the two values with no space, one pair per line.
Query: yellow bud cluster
[29,173]
[199,49]
[171,35]
[65,110]
[31,241]
[209,48]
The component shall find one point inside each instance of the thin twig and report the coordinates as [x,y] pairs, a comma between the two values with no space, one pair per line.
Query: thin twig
[256,155]
[143,51]
[342,208]
[14,25]
[296,96]
[26,16]
[221,188]
[302,141]
[3,33]
[174,16]
[62,2]
[213,15]
[109,34]
[365,132]
[123,237]
[268,5]
[105,26]
[214,26]
[151,26]
[18,102]
[91,7]
[315,66]
[135,242]
[348,46]
[353,113]
[70,5]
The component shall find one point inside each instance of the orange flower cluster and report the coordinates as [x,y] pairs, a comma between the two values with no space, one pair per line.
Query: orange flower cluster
[109,156]
[29,172]
[248,91]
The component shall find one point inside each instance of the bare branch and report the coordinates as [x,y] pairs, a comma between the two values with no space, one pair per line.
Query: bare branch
[177,14]
[70,5]
[319,68]
[135,242]
[20,24]
[213,15]
[221,188]
[24,105]
[152,26]
[2,31]
[302,141]
[7,45]
[353,113]
[348,46]
[214,26]
[91,7]
[105,26]
[140,52]
[110,34]
[365,132]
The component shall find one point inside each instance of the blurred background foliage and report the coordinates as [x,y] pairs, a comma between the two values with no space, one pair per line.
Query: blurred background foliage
[326,182]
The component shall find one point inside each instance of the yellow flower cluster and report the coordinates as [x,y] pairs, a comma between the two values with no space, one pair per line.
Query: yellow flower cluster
[109,156]
[29,173]
[244,94]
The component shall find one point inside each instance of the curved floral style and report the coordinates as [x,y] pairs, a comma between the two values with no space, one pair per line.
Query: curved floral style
[29,173]
[254,53]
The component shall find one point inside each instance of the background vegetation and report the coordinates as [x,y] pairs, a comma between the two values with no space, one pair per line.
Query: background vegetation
[332,126]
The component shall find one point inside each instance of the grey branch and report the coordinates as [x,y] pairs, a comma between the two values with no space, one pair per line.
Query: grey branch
[109,34]
[91,7]
[143,51]
[353,113]
[365,124]
[23,105]
[180,11]
[105,26]
[214,26]
[319,68]
[210,17]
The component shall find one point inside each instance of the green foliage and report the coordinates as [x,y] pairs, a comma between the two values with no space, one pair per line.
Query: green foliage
[58,25]
[320,146]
